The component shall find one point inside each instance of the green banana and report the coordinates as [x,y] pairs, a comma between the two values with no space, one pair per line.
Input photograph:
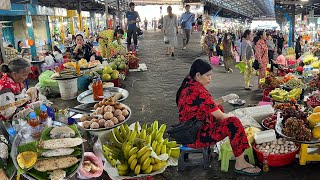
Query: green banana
[172,144]
[118,135]
[146,164]
[153,134]
[123,131]
[123,173]
[133,151]
[134,156]
[163,128]
[155,125]
[154,145]
[142,151]
[145,126]
[123,167]
[133,136]
[165,141]
[136,126]
[113,162]
[144,156]
[148,170]
[143,134]
[163,149]
[175,152]
[169,152]
[126,150]
[137,169]
[159,136]
[149,130]
[158,149]
[115,140]
[153,161]
[112,149]
[148,141]
[126,127]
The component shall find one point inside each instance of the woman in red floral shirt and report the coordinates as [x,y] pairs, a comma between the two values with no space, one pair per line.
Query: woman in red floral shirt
[195,102]
[262,54]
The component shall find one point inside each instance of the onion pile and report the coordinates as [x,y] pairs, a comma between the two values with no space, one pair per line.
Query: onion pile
[279,146]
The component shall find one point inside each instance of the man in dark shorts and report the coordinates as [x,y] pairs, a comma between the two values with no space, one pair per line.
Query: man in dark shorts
[132,30]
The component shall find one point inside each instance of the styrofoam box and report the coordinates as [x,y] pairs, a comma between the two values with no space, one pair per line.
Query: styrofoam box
[259,113]
[265,136]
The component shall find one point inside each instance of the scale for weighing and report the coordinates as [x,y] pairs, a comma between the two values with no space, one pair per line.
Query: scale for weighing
[237,103]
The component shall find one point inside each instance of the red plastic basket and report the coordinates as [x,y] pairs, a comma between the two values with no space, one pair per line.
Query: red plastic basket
[277,159]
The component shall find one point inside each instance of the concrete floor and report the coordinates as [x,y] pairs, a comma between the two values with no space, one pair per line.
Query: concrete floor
[152,97]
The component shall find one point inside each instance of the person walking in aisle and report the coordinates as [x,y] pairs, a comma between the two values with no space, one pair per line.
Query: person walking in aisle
[132,30]
[298,49]
[227,53]
[271,48]
[280,42]
[199,23]
[185,21]
[145,24]
[210,42]
[170,30]
[262,55]
[247,57]
[155,24]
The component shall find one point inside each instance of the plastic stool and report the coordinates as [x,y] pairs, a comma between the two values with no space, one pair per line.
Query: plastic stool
[226,154]
[35,72]
[304,156]
[184,161]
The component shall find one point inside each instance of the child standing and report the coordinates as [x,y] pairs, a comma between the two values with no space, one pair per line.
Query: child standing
[210,42]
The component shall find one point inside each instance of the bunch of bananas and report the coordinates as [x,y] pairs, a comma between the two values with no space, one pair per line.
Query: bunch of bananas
[281,95]
[131,149]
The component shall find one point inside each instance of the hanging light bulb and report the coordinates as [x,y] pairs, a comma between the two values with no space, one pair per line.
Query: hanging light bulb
[29,24]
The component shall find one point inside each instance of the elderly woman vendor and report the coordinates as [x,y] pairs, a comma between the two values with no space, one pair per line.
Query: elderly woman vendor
[195,102]
[12,92]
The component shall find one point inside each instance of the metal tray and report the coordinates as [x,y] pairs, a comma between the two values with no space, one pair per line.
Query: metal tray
[89,107]
[237,102]
[87,96]
[279,127]
[20,140]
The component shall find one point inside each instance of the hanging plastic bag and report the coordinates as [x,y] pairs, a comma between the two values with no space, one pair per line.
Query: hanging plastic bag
[46,81]
[241,66]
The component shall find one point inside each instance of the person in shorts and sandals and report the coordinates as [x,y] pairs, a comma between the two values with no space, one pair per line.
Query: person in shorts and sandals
[132,30]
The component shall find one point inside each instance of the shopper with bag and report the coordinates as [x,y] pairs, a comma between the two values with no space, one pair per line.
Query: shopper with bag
[262,55]
[210,42]
[185,22]
[196,104]
[247,57]
[170,30]
[227,53]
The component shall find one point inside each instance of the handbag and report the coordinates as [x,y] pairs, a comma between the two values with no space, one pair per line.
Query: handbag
[183,23]
[185,132]
[256,65]
[166,39]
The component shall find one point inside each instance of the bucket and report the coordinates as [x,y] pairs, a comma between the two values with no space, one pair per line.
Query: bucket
[68,88]
[215,60]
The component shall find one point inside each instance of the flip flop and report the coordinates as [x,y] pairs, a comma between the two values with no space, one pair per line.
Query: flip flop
[242,171]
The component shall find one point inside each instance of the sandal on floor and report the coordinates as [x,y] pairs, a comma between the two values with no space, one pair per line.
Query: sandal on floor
[242,171]
[247,89]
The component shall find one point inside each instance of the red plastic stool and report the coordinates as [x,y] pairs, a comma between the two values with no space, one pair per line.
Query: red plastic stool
[35,73]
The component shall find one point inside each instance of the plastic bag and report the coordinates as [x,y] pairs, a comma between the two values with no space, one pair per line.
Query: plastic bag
[46,81]
[241,66]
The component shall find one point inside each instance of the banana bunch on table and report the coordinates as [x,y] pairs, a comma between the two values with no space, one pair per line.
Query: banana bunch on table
[131,150]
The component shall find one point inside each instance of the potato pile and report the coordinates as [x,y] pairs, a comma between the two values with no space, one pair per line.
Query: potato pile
[279,146]
[110,112]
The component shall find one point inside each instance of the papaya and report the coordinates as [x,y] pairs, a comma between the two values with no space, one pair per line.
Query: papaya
[316,109]
[316,132]
[314,119]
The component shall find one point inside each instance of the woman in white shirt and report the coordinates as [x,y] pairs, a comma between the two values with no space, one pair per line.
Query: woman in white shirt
[57,54]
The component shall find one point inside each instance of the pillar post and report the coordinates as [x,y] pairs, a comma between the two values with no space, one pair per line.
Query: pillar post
[62,29]
[80,25]
[31,34]
[71,14]
[48,33]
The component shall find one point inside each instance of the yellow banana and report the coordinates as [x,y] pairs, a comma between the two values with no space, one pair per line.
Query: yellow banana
[133,136]
[153,161]
[126,150]
[146,164]
[159,136]
[145,156]
[133,164]
[137,169]
[123,167]
[148,170]
[158,166]
[123,173]
[115,140]
[133,151]
[163,128]
[143,134]
[142,151]
[154,134]
[175,152]
[154,145]
[118,135]
[157,161]
[163,149]
[134,156]
[148,140]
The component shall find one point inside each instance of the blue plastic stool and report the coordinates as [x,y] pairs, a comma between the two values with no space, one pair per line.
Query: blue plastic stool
[184,161]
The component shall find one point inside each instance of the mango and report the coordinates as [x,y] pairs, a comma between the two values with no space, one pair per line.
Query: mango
[316,132]
[316,109]
[314,119]
[27,159]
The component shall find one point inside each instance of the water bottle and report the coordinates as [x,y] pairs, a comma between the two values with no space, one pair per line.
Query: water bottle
[11,131]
